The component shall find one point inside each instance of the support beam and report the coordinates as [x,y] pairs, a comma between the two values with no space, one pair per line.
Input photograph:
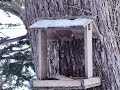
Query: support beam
[57,84]
[88,51]
[91,82]
[42,43]
[71,84]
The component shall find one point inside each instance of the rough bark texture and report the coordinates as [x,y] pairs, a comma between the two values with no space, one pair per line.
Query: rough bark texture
[106,51]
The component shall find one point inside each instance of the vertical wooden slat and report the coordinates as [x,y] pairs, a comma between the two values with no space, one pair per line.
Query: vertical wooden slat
[42,54]
[88,51]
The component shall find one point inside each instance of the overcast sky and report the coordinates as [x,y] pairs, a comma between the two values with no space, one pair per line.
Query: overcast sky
[12,32]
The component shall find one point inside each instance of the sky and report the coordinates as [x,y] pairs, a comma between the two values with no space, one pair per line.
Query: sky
[14,31]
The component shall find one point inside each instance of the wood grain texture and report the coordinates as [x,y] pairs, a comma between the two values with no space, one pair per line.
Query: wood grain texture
[61,77]
[42,50]
[88,51]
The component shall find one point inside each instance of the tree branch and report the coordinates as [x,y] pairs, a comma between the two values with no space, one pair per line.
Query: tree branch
[4,42]
[21,49]
[13,8]
[2,58]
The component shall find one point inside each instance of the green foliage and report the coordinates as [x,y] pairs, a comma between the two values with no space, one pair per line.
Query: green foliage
[16,64]
[23,54]
[16,69]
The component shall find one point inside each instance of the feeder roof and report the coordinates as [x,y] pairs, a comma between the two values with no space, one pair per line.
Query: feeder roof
[66,24]
[61,23]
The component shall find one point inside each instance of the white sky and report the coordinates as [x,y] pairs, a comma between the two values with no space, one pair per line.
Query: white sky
[13,32]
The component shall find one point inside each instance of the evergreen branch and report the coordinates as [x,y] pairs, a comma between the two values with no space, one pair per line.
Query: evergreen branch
[25,77]
[4,42]
[11,57]
[2,58]
[21,49]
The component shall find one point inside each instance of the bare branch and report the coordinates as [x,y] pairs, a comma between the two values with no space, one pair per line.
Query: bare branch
[13,8]
[21,49]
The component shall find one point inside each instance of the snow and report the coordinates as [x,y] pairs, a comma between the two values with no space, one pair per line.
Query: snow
[60,23]
[12,32]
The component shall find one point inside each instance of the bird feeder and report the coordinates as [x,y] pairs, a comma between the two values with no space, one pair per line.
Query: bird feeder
[66,29]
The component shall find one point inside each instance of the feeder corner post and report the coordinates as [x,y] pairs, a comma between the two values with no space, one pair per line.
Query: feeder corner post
[88,51]
[42,50]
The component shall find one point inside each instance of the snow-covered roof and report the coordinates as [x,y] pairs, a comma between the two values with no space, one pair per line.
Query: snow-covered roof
[61,23]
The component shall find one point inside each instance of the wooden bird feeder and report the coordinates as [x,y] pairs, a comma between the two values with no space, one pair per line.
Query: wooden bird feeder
[66,29]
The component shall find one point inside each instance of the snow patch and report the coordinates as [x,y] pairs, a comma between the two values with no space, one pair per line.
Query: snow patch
[60,23]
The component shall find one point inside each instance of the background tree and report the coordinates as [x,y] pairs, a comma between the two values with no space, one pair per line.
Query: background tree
[106,51]
[16,67]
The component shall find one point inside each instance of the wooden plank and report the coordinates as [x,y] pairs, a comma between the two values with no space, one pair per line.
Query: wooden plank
[88,51]
[76,84]
[62,28]
[42,54]
[66,17]
[77,78]
[56,83]
[66,35]
[61,77]
[91,82]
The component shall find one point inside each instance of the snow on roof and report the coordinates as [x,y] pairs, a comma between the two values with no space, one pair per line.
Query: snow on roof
[60,23]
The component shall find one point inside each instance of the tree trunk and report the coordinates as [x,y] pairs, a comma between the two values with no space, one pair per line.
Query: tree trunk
[106,52]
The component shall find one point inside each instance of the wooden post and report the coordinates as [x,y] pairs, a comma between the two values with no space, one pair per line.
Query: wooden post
[42,44]
[88,51]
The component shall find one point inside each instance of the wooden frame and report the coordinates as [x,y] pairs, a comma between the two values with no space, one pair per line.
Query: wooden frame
[84,29]
[67,83]
[88,51]
[42,45]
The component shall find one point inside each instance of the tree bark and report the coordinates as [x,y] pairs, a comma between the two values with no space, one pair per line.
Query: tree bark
[106,52]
